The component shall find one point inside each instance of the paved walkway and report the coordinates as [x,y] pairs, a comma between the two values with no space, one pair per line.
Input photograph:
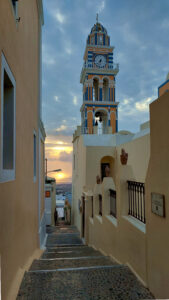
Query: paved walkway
[68,270]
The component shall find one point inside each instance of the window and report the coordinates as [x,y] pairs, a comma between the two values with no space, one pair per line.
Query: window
[34,156]
[8,90]
[100,40]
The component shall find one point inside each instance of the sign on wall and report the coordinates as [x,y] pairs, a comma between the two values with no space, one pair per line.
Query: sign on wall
[158,204]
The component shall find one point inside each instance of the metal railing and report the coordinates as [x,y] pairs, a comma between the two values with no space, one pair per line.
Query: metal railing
[92,65]
[87,130]
[113,203]
[100,205]
[99,131]
[136,196]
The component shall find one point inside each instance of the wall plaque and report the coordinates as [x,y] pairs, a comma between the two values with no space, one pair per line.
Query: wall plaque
[158,204]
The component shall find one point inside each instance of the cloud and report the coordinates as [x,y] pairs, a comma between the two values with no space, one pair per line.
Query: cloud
[101,7]
[59,16]
[61,128]
[47,58]
[56,98]
[144,105]
[165,24]
[64,156]
[75,102]
[64,130]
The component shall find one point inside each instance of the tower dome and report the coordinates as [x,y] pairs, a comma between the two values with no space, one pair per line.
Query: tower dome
[98,35]
[98,28]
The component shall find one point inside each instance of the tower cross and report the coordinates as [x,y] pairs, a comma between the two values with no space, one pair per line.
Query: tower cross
[97,18]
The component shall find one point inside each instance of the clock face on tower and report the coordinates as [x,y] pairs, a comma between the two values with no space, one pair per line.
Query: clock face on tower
[100,61]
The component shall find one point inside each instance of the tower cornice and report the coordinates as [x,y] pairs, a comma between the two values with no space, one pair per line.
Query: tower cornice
[101,48]
[113,70]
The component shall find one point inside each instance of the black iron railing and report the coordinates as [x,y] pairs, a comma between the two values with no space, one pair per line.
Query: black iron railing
[113,203]
[100,205]
[136,196]
[92,206]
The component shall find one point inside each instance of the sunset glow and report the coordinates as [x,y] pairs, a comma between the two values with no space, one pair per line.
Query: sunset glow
[59,156]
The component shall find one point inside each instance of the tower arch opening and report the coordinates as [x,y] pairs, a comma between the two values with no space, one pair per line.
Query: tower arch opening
[105,89]
[96,89]
[101,120]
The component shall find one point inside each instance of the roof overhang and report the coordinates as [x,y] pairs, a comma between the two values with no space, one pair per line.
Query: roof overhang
[40,11]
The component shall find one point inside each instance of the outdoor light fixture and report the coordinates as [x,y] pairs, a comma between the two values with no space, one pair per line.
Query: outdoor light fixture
[52,171]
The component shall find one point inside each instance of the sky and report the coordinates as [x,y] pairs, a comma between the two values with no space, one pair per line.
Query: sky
[139,31]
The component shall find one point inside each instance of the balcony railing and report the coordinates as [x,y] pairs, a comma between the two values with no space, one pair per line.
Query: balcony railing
[113,203]
[100,205]
[92,65]
[136,196]
[96,130]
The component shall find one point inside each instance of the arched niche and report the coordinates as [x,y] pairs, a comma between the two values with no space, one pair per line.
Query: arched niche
[106,161]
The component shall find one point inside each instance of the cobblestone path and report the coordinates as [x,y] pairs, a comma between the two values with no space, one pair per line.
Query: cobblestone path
[68,270]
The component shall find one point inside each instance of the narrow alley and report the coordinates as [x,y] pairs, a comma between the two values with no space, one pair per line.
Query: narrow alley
[70,270]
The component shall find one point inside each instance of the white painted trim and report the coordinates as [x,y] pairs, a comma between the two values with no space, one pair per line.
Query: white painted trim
[99,219]
[106,77]
[7,175]
[101,109]
[136,223]
[91,220]
[112,219]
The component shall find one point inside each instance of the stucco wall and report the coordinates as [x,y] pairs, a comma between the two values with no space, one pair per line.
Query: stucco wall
[19,198]
[122,238]
[157,182]
[78,178]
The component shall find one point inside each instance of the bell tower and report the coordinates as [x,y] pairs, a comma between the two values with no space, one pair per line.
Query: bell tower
[99,111]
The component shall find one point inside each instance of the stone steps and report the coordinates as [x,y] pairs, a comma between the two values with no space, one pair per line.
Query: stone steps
[63,239]
[69,270]
[71,253]
[111,282]
[71,263]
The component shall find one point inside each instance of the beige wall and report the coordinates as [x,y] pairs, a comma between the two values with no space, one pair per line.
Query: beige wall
[138,157]
[19,198]
[122,238]
[157,182]
[78,178]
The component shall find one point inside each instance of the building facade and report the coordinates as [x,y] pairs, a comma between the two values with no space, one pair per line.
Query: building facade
[22,135]
[119,183]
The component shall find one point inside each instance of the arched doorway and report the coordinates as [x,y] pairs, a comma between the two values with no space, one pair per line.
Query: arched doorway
[106,161]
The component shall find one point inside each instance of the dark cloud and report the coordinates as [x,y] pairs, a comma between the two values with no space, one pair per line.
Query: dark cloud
[64,156]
